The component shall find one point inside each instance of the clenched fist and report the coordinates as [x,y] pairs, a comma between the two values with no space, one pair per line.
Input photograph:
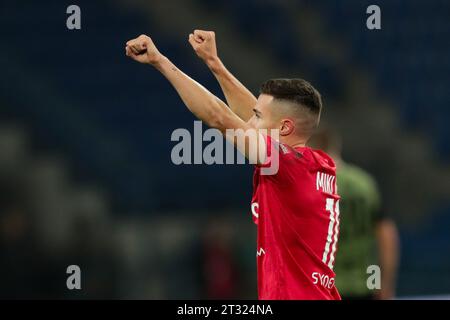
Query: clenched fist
[143,50]
[204,44]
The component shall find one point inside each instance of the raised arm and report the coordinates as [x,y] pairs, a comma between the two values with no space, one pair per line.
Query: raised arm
[239,98]
[202,103]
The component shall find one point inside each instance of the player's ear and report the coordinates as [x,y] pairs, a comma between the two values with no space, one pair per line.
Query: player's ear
[286,127]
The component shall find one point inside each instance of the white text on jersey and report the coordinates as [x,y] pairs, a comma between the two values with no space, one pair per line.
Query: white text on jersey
[260,252]
[325,182]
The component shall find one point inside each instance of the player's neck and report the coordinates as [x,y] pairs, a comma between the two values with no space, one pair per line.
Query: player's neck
[293,141]
[298,145]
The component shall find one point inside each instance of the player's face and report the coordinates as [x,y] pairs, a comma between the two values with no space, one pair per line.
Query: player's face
[263,117]
[269,115]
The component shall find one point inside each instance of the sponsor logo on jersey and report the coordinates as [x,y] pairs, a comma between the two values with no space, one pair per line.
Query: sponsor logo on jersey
[323,280]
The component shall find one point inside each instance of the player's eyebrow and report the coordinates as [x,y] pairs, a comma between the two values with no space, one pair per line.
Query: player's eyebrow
[257,112]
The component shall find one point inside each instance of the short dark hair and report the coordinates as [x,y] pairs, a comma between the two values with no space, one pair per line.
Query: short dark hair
[298,91]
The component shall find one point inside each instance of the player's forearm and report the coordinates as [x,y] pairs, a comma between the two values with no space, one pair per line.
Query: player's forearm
[202,103]
[239,98]
[388,246]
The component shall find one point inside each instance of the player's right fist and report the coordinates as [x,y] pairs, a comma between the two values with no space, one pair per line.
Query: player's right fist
[143,50]
[204,44]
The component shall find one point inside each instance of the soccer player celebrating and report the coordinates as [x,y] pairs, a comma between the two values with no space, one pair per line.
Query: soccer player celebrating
[296,208]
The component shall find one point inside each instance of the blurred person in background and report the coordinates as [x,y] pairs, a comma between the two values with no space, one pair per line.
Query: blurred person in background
[218,261]
[364,227]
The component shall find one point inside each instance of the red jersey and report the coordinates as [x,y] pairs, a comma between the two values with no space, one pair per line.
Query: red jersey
[297,215]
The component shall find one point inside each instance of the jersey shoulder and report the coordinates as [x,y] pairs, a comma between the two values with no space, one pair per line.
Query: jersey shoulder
[323,158]
[296,158]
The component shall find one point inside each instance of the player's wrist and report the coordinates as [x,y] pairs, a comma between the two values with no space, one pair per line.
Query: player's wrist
[158,61]
[214,63]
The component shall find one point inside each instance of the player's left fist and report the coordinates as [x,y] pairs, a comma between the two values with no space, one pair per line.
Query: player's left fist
[204,44]
[143,50]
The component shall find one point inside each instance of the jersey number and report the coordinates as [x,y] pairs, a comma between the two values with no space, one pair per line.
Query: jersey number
[333,229]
